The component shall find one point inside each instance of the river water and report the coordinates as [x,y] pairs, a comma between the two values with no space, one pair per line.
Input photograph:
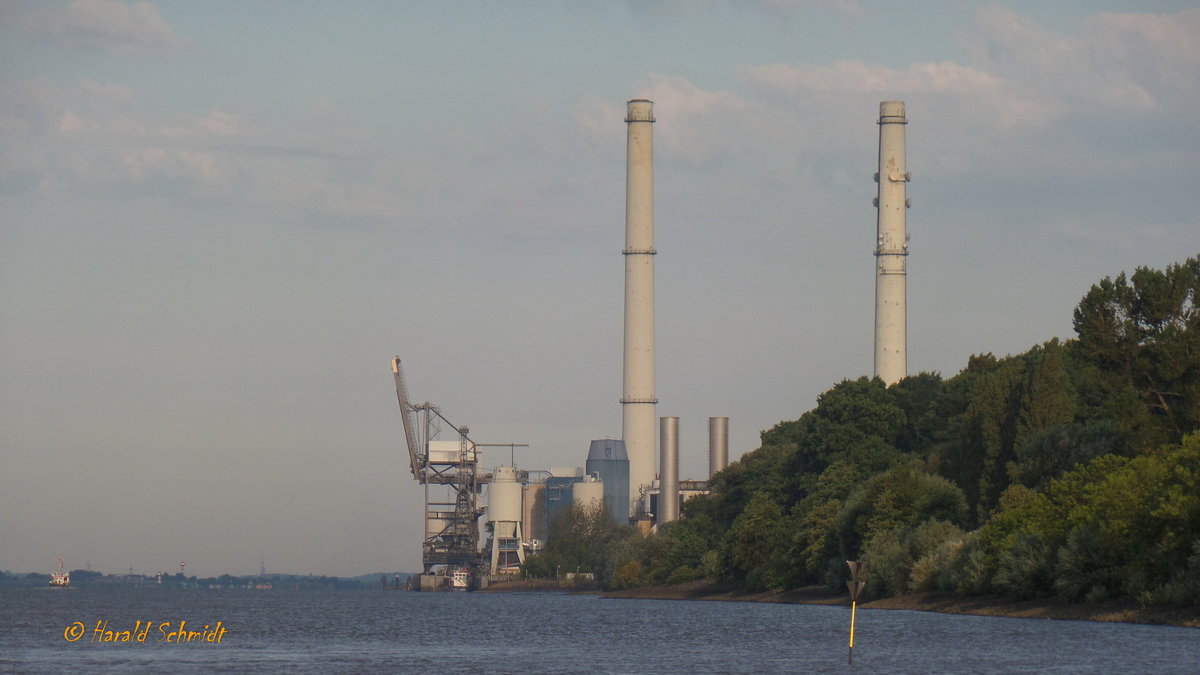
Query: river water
[51,630]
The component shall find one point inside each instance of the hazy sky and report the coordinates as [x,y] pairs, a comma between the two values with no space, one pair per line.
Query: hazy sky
[220,220]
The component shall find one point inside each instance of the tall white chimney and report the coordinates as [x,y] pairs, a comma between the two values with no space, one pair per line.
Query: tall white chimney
[891,247]
[668,477]
[638,401]
[718,444]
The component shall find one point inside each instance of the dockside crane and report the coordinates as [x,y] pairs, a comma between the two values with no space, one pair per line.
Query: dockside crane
[451,527]
[408,412]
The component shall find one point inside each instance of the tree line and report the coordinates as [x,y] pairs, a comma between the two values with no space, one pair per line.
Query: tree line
[1072,469]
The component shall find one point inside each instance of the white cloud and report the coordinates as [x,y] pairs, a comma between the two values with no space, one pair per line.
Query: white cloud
[98,25]
[790,7]
[1120,61]
[695,114]
[93,135]
[198,168]
[700,119]
[1024,92]
[70,123]
[971,89]
[785,119]
[216,124]
[783,8]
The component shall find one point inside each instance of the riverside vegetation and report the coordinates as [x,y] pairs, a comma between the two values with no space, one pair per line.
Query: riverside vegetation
[1071,470]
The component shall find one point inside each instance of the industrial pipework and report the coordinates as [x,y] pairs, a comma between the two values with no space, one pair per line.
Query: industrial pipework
[638,402]
[891,247]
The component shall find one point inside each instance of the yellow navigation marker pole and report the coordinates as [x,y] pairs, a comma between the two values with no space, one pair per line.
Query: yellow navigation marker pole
[853,607]
[855,585]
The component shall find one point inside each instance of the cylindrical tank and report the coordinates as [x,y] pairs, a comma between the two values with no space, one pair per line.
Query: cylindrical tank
[504,496]
[588,494]
[718,444]
[668,463]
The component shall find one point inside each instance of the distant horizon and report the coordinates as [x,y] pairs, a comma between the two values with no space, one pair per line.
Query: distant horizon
[213,576]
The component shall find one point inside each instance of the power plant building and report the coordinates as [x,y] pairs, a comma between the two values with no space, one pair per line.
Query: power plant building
[621,474]
[608,460]
[559,491]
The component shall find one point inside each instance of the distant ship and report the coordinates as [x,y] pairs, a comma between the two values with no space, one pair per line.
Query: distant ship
[60,579]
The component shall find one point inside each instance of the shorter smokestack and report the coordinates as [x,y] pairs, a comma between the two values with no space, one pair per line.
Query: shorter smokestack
[668,462]
[718,444]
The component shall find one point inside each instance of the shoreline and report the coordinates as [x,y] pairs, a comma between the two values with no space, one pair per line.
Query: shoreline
[1121,611]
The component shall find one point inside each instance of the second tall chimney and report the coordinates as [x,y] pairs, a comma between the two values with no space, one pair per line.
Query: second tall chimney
[891,247]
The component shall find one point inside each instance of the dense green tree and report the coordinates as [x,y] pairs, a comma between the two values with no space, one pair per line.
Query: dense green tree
[977,459]
[1143,333]
[1026,569]
[1048,453]
[1086,568]
[1114,526]
[676,553]
[760,470]
[857,421]
[891,556]
[753,544]
[1073,461]
[959,456]
[919,398]
[1048,397]
[583,540]
[902,497]
[813,542]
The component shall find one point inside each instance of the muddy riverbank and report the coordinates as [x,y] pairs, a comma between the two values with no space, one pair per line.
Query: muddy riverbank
[1123,610]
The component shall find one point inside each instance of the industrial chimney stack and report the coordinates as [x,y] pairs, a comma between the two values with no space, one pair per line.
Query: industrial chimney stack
[668,476]
[891,247]
[718,444]
[638,401]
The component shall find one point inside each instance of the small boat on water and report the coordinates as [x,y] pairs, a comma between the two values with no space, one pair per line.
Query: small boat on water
[60,579]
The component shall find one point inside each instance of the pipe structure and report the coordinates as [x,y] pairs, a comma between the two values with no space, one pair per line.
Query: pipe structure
[668,478]
[891,247]
[638,403]
[718,444]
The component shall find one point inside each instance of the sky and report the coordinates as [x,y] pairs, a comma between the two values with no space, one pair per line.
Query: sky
[219,221]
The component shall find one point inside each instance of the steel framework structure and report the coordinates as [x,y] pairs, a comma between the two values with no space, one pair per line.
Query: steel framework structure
[451,527]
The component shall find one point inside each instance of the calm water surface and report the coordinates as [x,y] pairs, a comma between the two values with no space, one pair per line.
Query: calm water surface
[378,631]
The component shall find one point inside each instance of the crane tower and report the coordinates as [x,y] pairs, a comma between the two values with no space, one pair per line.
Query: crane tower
[449,471]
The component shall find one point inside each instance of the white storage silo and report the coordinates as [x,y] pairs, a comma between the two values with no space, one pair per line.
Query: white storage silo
[504,496]
[588,494]
[504,513]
